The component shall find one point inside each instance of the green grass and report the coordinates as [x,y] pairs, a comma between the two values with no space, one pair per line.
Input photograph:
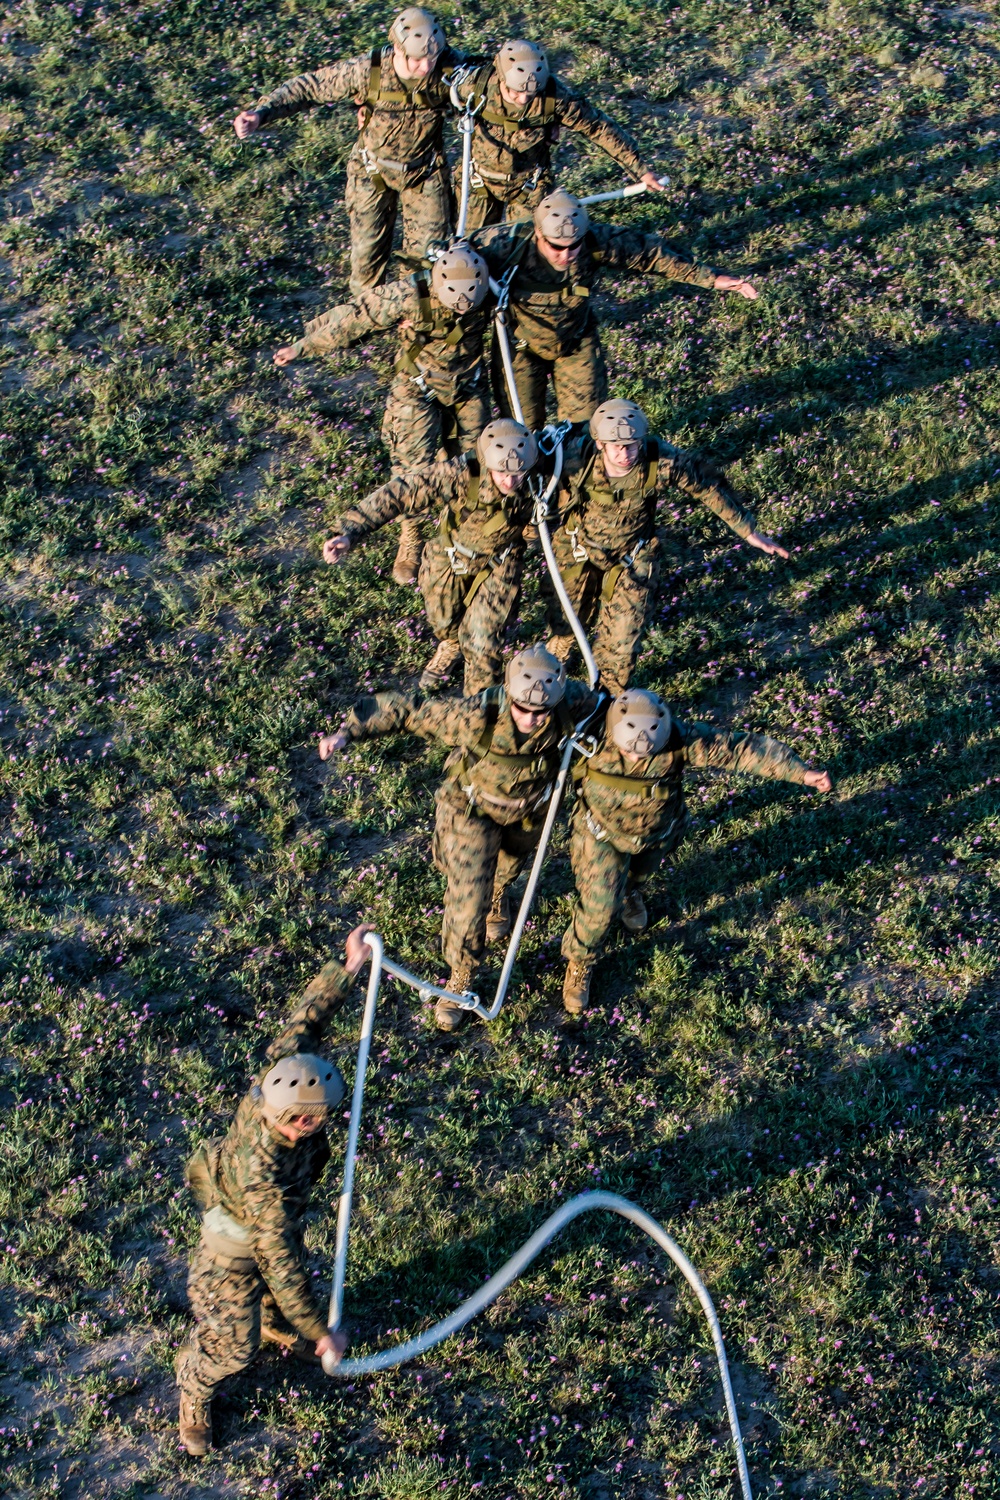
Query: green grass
[795,1069]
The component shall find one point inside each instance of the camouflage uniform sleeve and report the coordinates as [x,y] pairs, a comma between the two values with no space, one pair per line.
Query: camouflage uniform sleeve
[341,80]
[409,494]
[322,998]
[631,250]
[580,699]
[495,244]
[700,479]
[736,750]
[457,722]
[577,113]
[276,1250]
[381,307]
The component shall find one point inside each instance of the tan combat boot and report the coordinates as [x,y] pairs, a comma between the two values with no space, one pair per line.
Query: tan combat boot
[447,1015]
[407,564]
[561,646]
[576,985]
[634,913]
[440,667]
[498,923]
[195,1425]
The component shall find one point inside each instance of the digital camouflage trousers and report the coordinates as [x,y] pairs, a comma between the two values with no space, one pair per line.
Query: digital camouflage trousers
[487,206]
[478,858]
[614,607]
[416,425]
[603,876]
[373,210]
[471,608]
[230,1300]
[579,379]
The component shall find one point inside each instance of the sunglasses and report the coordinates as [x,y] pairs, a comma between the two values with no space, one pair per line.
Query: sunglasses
[576,245]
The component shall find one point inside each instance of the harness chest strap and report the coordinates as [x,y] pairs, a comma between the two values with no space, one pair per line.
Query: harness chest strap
[636,786]
[483,746]
[446,330]
[651,459]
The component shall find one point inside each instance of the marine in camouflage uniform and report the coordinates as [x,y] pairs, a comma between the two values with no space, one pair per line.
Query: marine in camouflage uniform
[552,325]
[439,397]
[490,807]
[630,813]
[398,163]
[513,137]
[606,542]
[247,1280]
[470,572]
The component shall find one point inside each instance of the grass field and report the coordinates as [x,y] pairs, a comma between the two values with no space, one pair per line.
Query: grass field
[796,1067]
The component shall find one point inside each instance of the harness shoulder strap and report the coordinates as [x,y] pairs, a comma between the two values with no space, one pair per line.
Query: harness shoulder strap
[593,248]
[374,83]
[549,101]
[478,96]
[491,706]
[472,491]
[523,232]
[652,461]
[423,291]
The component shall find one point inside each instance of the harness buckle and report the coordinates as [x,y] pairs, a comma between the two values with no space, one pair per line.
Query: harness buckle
[459,566]
[580,554]
[600,834]
[585,744]
[551,436]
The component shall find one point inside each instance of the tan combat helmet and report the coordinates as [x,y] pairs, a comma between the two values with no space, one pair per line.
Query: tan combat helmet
[460,279]
[618,421]
[506,447]
[561,219]
[523,67]
[303,1084]
[417,33]
[639,722]
[535,678]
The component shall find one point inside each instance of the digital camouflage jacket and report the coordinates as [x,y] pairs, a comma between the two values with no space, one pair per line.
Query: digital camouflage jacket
[264,1182]
[474,516]
[607,518]
[506,775]
[639,806]
[550,309]
[402,119]
[512,142]
[444,347]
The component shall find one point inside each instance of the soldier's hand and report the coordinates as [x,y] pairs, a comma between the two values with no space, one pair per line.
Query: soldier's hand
[285,355]
[821,781]
[246,122]
[766,544]
[653,183]
[334,1342]
[336,549]
[357,950]
[331,744]
[736,284]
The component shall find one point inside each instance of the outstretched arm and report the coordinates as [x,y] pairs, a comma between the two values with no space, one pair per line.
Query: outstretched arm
[381,307]
[456,722]
[577,113]
[753,754]
[701,480]
[631,250]
[322,998]
[409,494]
[336,83]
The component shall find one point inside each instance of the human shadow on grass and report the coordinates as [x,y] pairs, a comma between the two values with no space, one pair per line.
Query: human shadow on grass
[795,395]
